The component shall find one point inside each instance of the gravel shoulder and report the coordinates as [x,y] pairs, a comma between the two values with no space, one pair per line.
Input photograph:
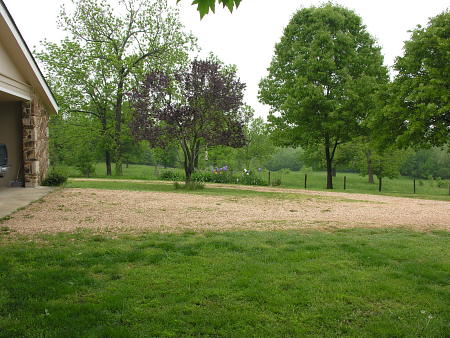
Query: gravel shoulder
[70,210]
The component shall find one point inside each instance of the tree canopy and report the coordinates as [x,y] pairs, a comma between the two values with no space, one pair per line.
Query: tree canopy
[418,113]
[106,52]
[322,80]
[198,106]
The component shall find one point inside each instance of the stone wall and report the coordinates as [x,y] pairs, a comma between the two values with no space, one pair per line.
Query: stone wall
[35,142]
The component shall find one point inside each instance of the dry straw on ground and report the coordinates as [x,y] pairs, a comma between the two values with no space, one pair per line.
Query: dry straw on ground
[118,211]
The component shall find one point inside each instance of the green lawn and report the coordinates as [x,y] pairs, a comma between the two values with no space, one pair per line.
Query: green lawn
[402,186]
[371,283]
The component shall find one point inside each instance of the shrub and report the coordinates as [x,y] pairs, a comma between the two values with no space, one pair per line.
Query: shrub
[213,177]
[85,163]
[170,175]
[55,178]
[250,179]
[440,183]
[227,177]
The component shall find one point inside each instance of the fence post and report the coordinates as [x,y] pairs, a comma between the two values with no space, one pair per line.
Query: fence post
[306,179]
[414,186]
[345,182]
[269,177]
[379,184]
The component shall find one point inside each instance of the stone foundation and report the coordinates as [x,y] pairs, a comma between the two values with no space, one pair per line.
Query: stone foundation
[35,142]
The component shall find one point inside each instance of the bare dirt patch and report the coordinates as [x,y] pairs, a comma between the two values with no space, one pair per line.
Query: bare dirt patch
[117,211]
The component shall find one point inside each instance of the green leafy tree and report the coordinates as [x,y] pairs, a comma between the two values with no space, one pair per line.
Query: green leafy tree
[167,156]
[200,106]
[69,136]
[322,79]
[107,51]
[285,158]
[419,109]
[82,91]
[383,164]
[220,156]
[259,147]
[426,163]
[205,6]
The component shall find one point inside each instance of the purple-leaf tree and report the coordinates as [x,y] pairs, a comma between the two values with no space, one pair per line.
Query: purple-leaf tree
[199,106]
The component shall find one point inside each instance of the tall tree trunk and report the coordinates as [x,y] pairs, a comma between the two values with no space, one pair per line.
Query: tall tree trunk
[107,151]
[188,161]
[108,163]
[189,167]
[329,166]
[330,151]
[369,166]
[118,126]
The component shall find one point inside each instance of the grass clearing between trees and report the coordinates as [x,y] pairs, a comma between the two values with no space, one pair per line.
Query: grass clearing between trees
[402,186]
[356,282]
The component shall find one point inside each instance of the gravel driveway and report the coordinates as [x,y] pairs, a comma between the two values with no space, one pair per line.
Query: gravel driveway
[118,211]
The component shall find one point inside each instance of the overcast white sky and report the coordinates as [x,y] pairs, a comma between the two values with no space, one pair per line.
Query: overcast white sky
[248,36]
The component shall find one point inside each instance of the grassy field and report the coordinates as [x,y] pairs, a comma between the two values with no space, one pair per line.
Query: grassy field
[211,190]
[402,186]
[371,283]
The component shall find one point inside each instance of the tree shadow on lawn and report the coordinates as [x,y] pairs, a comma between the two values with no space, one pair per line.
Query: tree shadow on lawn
[233,283]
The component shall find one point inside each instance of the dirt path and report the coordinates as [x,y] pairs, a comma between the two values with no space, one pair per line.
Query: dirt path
[131,211]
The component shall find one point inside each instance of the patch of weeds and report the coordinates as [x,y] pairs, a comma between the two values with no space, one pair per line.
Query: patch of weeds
[116,276]
[5,229]
[28,216]
[4,219]
[325,210]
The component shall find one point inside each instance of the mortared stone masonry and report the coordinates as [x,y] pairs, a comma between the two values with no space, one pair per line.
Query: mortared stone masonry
[35,142]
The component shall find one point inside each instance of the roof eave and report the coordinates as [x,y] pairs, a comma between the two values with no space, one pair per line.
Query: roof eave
[44,89]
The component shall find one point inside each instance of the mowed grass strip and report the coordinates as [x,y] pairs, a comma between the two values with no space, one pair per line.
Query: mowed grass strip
[211,190]
[359,282]
[400,187]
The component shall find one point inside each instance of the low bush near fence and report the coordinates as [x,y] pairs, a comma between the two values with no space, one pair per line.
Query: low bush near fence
[214,177]
[170,175]
[224,177]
